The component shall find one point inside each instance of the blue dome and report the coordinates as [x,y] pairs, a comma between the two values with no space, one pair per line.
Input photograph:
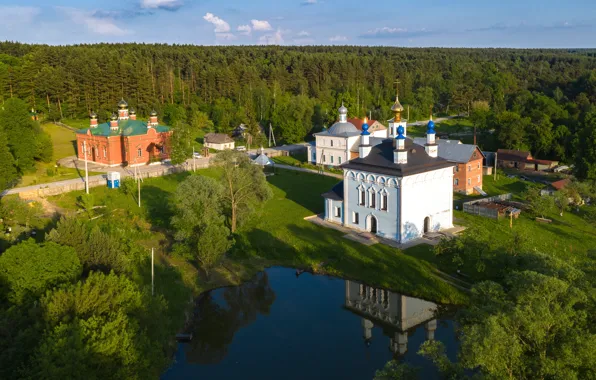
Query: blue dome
[430,128]
[400,133]
[365,131]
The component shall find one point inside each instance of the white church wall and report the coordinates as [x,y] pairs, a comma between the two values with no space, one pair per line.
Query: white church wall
[424,195]
[334,210]
[387,220]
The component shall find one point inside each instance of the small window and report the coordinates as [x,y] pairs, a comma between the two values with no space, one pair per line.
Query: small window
[469,168]
[384,202]
[337,212]
[457,168]
[478,166]
[469,181]
[355,218]
[331,159]
[139,152]
[372,202]
[475,155]
[105,152]
[456,182]
[331,145]
[362,198]
[478,179]
[339,160]
[324,158]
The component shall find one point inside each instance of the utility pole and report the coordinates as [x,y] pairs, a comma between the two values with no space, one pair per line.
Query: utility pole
[495,166]
[86,171]
[408,112]
[138,184]
[152,272]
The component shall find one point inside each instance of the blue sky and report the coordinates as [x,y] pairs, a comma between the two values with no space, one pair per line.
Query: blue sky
[455,23]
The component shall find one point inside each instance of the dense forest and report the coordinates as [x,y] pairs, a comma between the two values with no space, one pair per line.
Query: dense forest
[533,99]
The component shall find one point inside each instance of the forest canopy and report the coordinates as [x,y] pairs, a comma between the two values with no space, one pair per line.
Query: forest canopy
[534,99]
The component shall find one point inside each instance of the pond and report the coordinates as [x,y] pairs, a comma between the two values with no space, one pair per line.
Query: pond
[279,325]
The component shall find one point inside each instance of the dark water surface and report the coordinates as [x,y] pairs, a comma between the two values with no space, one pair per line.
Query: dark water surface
[278,326]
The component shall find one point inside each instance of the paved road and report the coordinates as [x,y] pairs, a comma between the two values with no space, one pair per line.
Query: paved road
[289,167]
[144,171]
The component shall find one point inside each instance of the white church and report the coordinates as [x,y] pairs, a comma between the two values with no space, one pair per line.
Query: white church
[339,143]
[394,188]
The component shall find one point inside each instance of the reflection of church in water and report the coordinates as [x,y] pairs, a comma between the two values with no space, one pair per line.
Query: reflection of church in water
[394,312]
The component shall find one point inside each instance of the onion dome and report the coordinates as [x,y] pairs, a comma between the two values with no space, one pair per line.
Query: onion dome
[343,110]
[400,133]
[153,113]
[430,127]
[114,117]
[397,107]
[122,104]
[93,115]
[365,131]
[132,111]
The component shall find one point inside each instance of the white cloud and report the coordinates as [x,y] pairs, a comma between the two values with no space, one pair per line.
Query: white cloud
[261,26]
[104,26]
[272,39]
[244,30]
[338,38]
[303,41]
[224,37]
[220,25]
[303,33]
[16,15]
[161,4]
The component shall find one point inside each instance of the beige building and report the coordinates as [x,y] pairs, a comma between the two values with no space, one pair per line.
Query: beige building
[218,141]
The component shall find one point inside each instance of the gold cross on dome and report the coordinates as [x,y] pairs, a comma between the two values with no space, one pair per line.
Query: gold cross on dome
[397,82]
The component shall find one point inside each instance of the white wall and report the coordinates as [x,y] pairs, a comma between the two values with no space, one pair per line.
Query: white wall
[220,146]
[427,194]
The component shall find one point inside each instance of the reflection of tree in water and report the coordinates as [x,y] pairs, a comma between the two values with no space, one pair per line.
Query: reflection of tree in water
[214,325]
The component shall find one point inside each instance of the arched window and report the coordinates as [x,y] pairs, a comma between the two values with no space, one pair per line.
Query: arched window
[372,199]
[361,196]
[105,152]
[139,152]
[384,201]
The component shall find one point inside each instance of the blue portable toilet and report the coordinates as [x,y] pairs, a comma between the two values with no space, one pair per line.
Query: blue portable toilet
[113,180]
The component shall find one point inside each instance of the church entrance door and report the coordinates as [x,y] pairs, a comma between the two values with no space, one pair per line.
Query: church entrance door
[373,225]
[426,224]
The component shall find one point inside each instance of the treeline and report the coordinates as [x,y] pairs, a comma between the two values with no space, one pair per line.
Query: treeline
[79,304]
[22,142]
[298,89]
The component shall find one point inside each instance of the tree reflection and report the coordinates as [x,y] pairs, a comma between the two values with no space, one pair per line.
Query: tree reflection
[215,324]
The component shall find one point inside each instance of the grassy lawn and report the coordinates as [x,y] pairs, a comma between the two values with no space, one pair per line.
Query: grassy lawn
[63,141]
[277,234]
[77,123]
[294,160]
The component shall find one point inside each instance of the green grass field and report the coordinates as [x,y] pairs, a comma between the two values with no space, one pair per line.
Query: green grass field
[277,234]
[63,140]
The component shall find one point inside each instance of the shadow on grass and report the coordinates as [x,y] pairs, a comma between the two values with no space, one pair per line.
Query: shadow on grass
[157,205]
[293,183]
[326,250]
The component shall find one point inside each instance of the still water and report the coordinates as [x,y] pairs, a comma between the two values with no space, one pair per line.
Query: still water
[279,326]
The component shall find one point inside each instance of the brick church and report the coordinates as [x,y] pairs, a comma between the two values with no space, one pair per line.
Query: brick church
[124,139]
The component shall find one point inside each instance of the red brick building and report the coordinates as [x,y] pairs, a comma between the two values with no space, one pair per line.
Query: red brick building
[467,174]
[124,140]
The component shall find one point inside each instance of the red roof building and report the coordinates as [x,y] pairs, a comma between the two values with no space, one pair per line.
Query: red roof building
[124,140]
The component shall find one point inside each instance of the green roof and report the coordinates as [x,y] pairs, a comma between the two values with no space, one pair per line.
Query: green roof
[125,128]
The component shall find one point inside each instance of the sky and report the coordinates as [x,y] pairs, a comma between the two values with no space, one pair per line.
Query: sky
[413,23]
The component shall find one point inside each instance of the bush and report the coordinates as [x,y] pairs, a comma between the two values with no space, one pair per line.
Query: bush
[50,172]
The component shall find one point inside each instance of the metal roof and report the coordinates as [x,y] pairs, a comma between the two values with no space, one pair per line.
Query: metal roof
[125,128]
[336,193]
[380,160]
[452,150]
